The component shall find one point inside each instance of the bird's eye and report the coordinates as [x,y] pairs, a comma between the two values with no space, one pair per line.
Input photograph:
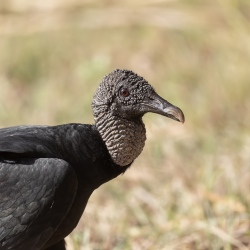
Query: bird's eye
[124,92]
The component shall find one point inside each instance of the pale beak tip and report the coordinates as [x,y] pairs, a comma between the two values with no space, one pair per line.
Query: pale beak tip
[182,120]
[178,114]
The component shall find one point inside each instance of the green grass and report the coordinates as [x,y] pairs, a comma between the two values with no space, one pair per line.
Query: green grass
[190,187]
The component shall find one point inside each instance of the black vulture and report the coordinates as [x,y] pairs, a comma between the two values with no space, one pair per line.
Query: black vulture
[47,173]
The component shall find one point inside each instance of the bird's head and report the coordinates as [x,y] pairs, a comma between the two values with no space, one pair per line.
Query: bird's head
[119,103]
[124,94]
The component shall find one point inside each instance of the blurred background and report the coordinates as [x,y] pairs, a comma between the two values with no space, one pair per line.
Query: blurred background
[190,188]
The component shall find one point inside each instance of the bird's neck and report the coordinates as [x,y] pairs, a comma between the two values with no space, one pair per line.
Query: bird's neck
[124,138]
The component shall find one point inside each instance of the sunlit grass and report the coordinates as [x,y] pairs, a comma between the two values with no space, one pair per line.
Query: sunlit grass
[190,187]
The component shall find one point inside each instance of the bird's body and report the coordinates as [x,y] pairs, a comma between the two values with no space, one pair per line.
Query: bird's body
[47,173]
[73,154]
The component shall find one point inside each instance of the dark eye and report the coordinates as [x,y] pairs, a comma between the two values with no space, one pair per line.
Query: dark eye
[124,92]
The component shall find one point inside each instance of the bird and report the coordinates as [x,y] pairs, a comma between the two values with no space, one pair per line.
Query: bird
[48,173]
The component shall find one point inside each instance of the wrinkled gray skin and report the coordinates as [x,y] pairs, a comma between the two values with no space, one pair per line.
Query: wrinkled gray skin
[118,118]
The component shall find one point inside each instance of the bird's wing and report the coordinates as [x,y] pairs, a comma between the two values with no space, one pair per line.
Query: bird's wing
[35,196]
[26,141]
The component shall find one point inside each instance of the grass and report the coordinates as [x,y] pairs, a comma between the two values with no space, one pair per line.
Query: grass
[190,187]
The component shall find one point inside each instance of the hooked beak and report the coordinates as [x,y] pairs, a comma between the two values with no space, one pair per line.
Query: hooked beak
[158,105]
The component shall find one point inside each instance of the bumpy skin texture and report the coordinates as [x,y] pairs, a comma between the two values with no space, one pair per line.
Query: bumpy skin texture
[118,118]
[46,177]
